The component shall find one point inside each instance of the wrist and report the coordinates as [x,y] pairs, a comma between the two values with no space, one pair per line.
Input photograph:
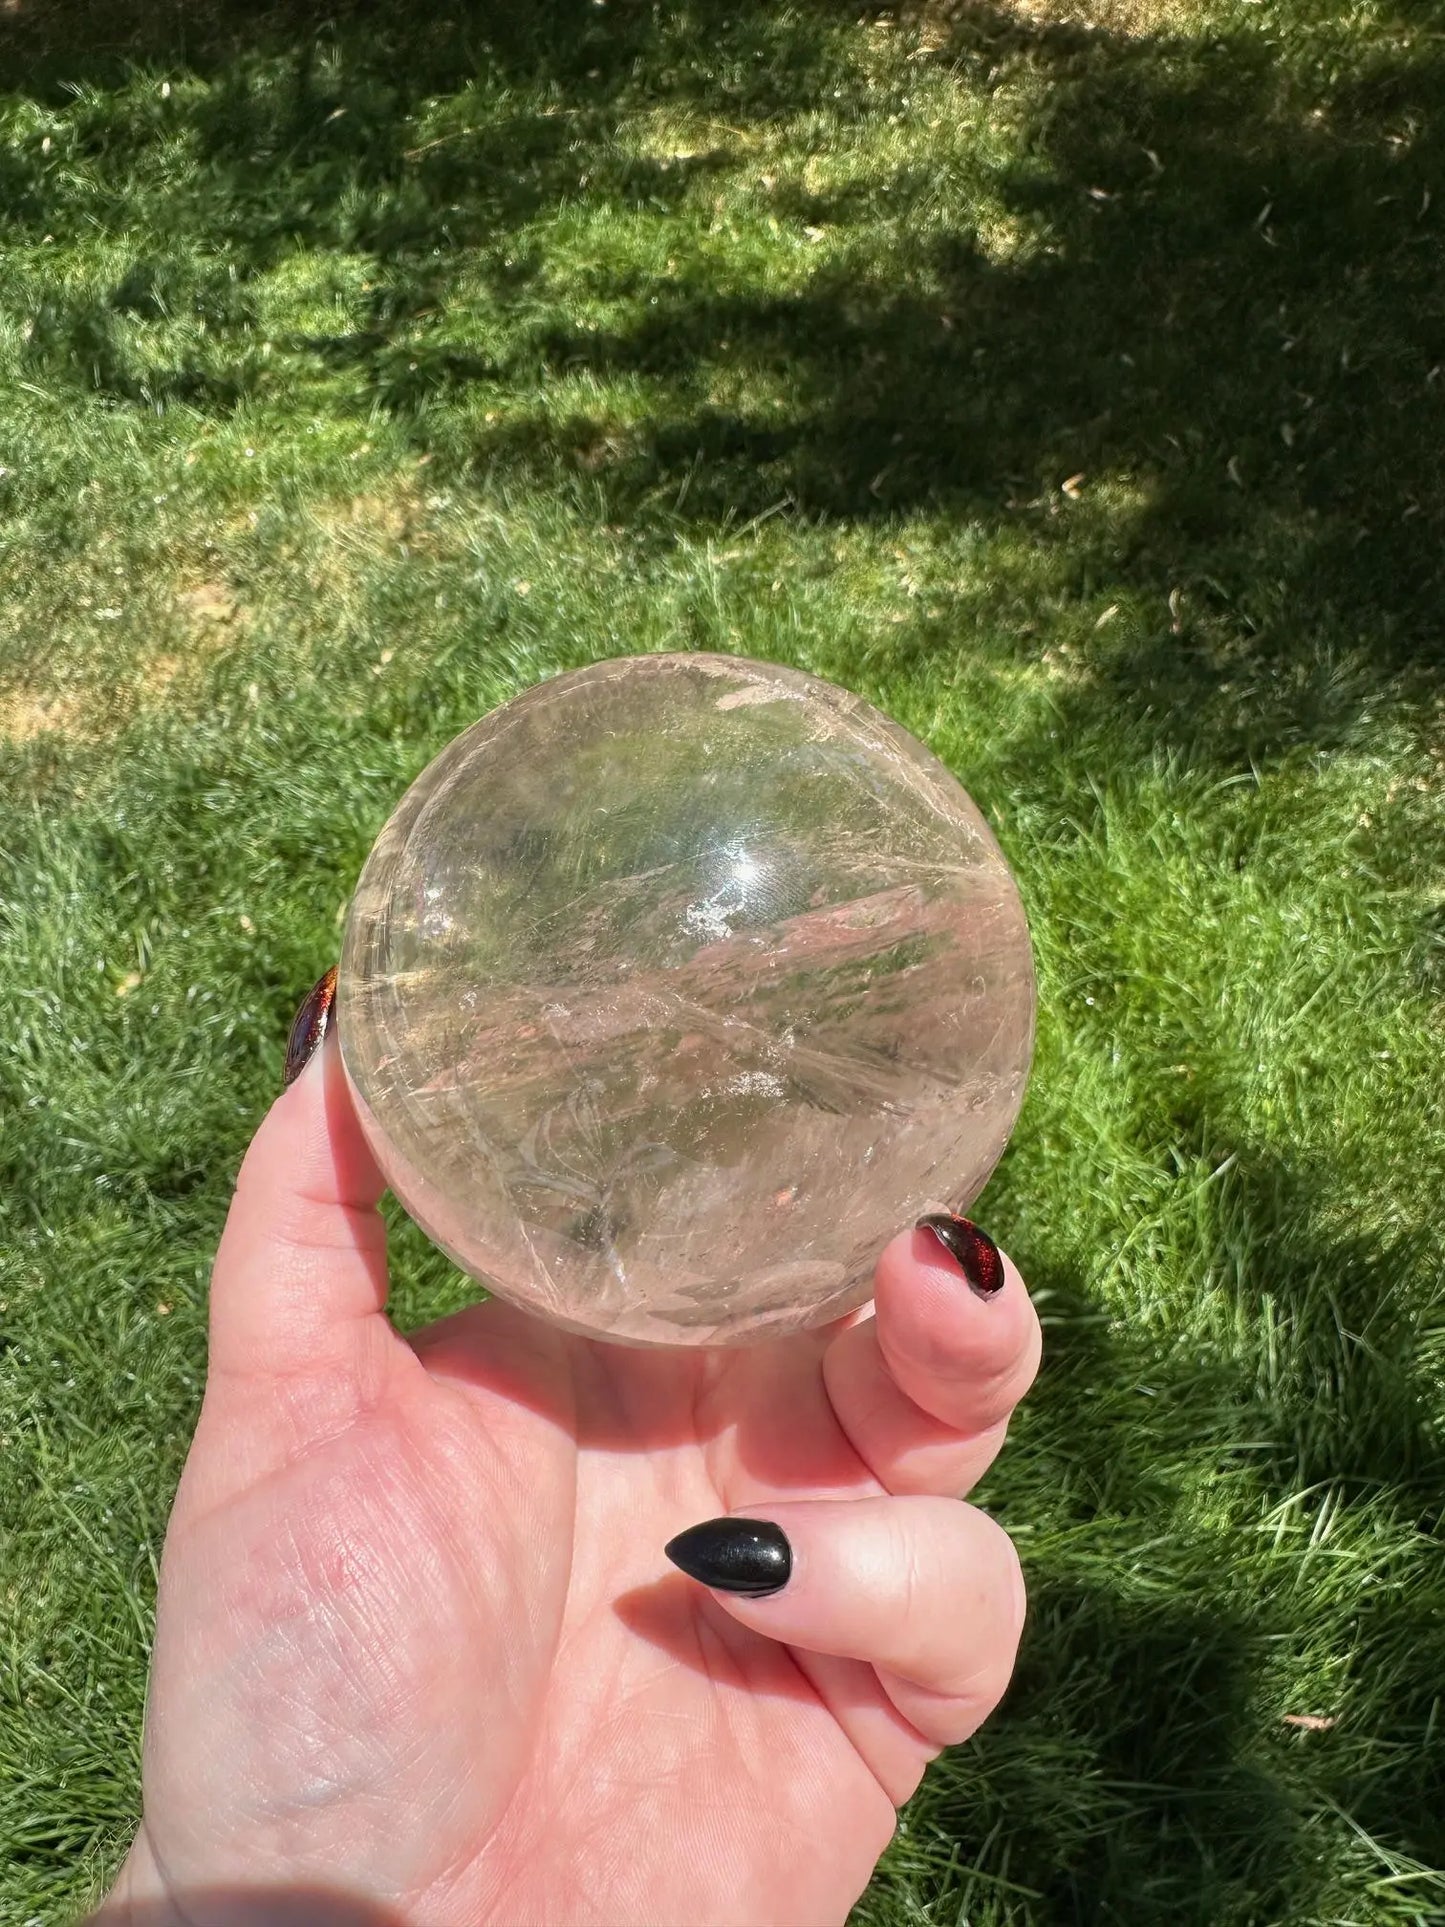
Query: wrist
[139,1897]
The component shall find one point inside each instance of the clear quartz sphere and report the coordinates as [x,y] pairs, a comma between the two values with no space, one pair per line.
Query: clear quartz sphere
[674,988]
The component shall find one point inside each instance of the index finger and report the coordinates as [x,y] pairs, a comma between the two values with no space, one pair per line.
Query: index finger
[300,1276]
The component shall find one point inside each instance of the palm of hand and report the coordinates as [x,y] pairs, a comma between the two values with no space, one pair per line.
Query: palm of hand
[417,1638]
[488,1536]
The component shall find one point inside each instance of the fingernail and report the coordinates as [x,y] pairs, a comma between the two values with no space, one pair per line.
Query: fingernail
[976,1254]
[734,1555]
[309,1027]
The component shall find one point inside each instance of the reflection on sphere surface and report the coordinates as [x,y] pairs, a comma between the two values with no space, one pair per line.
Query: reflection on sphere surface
[674,988]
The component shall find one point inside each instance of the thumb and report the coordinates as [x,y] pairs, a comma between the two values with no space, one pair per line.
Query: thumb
[299,1285]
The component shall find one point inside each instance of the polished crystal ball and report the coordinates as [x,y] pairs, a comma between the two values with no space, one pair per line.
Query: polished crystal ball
[674,988]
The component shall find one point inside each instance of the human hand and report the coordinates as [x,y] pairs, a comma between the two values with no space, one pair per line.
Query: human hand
[419,1657]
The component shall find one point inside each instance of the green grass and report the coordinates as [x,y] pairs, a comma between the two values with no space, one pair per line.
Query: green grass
[1076,392]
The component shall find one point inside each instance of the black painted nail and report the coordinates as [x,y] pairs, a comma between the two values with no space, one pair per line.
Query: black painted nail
[976,1253]
[309,1027]
[734,1555]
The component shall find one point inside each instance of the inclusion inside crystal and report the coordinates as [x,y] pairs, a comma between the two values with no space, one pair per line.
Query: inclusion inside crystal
[674,988]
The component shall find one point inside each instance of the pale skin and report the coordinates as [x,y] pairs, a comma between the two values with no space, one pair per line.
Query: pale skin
[419,1655]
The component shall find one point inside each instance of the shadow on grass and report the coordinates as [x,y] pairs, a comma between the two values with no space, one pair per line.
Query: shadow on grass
[1221,318]
[1343,1415]
[1178,1795]
[1235,305]
[1183,1823]
[1345,1405]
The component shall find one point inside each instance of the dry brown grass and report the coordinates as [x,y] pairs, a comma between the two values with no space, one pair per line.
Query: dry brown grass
[376,520]
[937,21]
[206,603]
[98,708]
[24,715]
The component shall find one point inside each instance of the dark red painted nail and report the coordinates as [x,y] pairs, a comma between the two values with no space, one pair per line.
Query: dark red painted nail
[309,1026]
[977,1255]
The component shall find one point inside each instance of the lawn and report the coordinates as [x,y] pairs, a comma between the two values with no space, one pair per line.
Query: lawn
[1069,382]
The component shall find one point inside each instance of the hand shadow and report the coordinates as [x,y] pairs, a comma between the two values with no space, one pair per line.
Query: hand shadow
[259,1907]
